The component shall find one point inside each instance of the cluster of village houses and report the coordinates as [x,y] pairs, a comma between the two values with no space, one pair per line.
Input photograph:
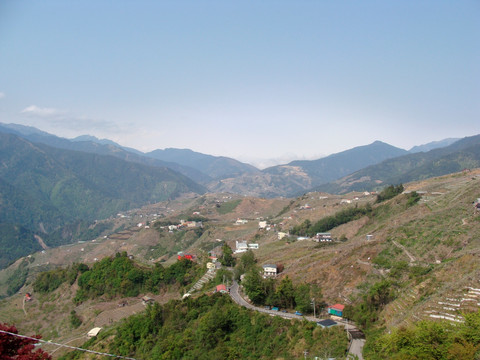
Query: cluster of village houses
[184,224]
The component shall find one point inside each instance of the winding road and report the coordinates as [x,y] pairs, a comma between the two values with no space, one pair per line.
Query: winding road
[356,344]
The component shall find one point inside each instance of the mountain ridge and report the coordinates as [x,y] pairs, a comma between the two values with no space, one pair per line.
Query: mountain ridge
[223,174]
[462,154]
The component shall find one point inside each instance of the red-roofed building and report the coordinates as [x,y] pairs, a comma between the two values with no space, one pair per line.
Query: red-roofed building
[336,309]
[221,288]
[181,256]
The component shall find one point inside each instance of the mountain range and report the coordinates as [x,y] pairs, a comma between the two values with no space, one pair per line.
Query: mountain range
[223,174]
[462,154]
[49,183]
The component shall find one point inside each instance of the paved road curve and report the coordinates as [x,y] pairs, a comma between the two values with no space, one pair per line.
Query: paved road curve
[356,345]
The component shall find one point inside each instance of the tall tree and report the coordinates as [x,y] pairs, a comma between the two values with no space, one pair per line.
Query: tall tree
[286,293]
[254,287]
[303,298]
[227,258]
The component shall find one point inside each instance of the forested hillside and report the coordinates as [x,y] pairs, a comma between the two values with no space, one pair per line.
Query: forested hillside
[90,144]
[44,188]
[213,327]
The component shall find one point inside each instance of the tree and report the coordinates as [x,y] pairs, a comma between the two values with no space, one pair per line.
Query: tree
[389,192]
[254,287]
[17,348]
[227,258]
[380,294]
[75,320]
[286,293]
[303,298]
[248,259]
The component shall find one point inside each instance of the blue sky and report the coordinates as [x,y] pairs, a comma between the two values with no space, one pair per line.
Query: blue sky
[245,79]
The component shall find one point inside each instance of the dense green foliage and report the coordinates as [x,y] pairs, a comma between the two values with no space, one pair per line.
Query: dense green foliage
[15,241]
[429,340]
[365,312]
[413,198]
[283,294]
[120,276]
[18,278]
[329,222]
[389,192]
[44,189]
[244,264]
[75,320]
[216,328]
[49,281]
[227,258]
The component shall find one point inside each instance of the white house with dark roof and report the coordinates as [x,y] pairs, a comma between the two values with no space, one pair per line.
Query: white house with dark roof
[270,270]
[323,237]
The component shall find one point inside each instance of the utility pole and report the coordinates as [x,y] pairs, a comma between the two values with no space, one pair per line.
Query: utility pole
[313,302]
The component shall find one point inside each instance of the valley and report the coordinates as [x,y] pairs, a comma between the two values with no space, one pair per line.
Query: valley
[427,252]
[98,236]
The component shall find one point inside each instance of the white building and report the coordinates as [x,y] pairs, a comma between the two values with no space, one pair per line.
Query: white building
[270,270]
[323,237]
[94,332]
[240,246]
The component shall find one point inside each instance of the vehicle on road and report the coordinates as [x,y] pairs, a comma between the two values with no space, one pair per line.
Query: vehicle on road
[298,313]
[275,308]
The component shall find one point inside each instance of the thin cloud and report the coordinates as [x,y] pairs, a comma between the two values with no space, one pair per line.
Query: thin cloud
[42,112]
[85,124]
[2,95]
[68,122]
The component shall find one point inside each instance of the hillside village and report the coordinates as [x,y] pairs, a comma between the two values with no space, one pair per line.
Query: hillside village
[248,180]
[429,250]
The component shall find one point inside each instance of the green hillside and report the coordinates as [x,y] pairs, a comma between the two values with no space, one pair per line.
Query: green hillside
[44,188]
[11,237]
[90,144]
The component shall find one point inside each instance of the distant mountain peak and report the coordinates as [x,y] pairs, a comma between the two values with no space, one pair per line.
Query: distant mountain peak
[86,138]
[24,129]
[95,140]
[433,145]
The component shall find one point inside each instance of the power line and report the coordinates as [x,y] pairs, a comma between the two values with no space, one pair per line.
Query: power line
[67,346]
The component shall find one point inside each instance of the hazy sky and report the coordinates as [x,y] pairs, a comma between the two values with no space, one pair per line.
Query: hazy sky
[246,79]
